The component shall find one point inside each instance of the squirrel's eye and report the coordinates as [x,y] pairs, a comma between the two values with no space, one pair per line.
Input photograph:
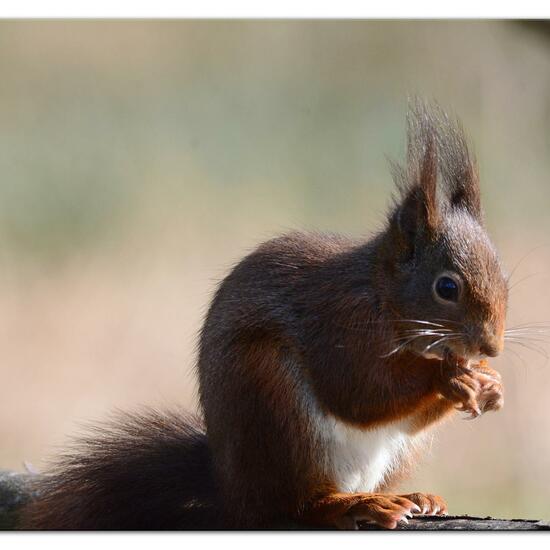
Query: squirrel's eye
[447,289]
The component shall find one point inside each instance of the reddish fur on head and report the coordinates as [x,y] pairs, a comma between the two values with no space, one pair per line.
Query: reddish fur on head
[437,228]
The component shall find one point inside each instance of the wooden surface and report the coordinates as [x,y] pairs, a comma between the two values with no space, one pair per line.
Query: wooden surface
[14,492]
[468,523]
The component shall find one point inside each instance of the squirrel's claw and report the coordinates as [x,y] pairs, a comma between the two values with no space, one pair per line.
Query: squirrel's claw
[473,411]
[427,504]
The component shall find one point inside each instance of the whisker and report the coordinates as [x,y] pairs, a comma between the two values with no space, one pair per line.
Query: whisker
[535,333]
[363,325]
[440,338]
[426,333]
[402,345]
[444,339]
[528,338]
[523,279]
[449,321]
[532,347]
[511,350]
[526,255]
[399,347]
[524,332]
[525,336]
[541,324]
[543,337]
[434,332]
[419,321]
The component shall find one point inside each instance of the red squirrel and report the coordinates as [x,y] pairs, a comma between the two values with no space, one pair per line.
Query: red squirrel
[323,361]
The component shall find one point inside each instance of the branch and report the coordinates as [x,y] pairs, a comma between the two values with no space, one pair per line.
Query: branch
[14,493]
[467,523]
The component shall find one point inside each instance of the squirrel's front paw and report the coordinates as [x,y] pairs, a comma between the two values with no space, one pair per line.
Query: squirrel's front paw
[475,388]
[490,396]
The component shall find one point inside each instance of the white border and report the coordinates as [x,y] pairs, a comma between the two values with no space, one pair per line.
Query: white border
[270,541]
[417,9]
[304,9]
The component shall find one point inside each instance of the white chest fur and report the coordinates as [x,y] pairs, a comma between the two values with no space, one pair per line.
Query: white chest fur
[359,460]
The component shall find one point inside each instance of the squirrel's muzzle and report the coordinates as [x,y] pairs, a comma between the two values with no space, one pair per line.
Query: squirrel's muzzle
[489,341]
[489,349]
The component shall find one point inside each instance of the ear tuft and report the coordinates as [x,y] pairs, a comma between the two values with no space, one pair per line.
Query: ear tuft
[437,153]
[417,209]
[427,183]
[458,166]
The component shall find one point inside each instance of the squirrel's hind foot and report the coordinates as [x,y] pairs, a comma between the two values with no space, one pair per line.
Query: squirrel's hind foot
[345,511]
[430,505]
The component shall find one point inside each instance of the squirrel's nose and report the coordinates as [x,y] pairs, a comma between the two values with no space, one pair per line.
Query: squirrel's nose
[488,340]
[489,349]
[491,342]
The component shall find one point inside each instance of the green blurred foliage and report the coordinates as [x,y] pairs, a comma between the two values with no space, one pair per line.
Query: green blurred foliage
[104,123]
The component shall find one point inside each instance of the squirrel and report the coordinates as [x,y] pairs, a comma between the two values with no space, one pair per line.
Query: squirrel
[323,362]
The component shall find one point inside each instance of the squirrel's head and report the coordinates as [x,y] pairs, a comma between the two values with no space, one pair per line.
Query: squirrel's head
[443,274]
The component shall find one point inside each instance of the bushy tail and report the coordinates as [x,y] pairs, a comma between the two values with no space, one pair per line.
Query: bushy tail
[142,471]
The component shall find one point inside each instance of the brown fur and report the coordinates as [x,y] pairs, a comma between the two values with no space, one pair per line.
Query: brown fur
[381,508]
[310,323]
[149,470]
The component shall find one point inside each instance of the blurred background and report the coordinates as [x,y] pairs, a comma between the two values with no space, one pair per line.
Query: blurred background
[139,160]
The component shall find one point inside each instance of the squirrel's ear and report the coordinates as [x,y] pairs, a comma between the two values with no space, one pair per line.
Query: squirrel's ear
[458,168]
[465,191]
[418,210]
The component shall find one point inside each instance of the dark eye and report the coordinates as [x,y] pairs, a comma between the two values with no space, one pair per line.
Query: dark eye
[447,289]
